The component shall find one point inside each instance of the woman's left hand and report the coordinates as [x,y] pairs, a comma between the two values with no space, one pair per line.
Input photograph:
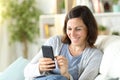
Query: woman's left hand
[63,65]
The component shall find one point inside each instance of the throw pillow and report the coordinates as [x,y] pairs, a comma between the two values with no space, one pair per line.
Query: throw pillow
[15,71]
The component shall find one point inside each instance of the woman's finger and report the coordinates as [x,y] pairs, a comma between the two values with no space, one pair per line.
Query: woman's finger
[47,67]
[46,64]
[61,60]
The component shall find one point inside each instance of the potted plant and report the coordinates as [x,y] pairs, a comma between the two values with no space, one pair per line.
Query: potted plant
[102,29]
[115,33]
[62,6]
[23,26]
[115,1]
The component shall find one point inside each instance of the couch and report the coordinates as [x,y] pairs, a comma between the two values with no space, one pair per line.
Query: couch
[109,68]
[110,65]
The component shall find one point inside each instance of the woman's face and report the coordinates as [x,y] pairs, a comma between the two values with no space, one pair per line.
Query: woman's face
[77,31]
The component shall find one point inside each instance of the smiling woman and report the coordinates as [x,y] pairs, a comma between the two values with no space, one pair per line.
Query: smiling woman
[77,33]
[76,57]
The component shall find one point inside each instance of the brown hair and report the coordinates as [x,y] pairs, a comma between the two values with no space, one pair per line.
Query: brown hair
[86,15]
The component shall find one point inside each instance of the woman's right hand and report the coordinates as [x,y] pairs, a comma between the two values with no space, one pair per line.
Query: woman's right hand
[46,64]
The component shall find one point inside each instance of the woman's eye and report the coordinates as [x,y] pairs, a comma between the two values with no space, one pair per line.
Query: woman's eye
[78,29]
[69,29]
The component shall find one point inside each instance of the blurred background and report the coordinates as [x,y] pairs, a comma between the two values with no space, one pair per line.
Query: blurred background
[26,24]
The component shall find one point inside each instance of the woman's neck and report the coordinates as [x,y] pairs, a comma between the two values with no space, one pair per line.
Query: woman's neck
[76,50]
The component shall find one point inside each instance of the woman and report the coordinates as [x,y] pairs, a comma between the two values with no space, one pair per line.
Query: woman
[76,56]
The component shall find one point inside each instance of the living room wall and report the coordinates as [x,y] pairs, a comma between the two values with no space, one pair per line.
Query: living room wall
[46,6]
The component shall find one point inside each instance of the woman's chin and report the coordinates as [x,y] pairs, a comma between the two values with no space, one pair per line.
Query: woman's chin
[75,43]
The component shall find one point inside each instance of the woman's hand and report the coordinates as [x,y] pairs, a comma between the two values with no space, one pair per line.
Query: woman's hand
[46,64]
[63,65]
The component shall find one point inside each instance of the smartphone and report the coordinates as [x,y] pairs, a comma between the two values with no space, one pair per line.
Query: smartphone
[48,52]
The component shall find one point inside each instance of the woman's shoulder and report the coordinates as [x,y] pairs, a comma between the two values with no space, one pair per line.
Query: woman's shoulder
[56,37]
[93,51]
[97,50]
[54,41]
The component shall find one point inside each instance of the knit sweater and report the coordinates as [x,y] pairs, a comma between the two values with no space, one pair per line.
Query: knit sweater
[89,65]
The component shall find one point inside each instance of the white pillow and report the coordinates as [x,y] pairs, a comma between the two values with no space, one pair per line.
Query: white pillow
[110,63]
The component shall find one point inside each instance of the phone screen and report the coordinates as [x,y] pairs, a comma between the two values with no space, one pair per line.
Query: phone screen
[48,52]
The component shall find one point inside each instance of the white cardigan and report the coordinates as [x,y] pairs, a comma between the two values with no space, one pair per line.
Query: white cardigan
[89,67]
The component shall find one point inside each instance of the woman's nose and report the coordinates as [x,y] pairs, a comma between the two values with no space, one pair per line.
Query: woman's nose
[73,33]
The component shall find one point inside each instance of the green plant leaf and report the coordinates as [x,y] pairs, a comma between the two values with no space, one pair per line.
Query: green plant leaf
[24,18]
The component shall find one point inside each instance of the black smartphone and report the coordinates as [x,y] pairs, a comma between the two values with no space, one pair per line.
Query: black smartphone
[48,52]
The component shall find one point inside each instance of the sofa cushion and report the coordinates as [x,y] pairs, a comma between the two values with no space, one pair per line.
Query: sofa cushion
[15,70]
[109,67]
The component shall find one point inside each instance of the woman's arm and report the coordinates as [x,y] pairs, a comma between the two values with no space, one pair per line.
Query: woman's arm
[32,69]
[92,67]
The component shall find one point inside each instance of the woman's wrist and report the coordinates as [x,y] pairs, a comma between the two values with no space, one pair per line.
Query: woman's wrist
[67,75]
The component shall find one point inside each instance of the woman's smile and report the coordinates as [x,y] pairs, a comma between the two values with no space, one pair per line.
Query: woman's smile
[76,31]
[75,39]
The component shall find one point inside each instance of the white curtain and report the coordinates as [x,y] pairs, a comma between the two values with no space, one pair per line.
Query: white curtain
[9,53]
[5,56]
